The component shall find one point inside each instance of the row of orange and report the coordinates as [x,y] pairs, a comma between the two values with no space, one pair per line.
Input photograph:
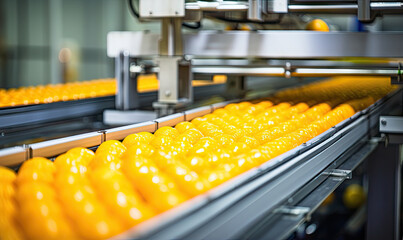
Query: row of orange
[79,90]
[57,92]
[87,195]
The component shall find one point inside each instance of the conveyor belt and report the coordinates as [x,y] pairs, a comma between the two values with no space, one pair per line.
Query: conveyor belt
[231,209]
[42,113]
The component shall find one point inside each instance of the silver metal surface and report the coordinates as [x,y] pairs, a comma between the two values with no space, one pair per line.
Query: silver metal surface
[136,43]
[120,133]
[280,226]
[174,81]
[217,6]
[170,120]
[292,210]
[170,43]
[58,146]
[118,117]
[293,44]
[161,8]
[386,7]
[266,44]
[13,156]
[127,96]
[384,186]
[340,173]
[242,71]
[305,72]
[277,6]
[391,124]
[197,112]
[255,10]
[364,10]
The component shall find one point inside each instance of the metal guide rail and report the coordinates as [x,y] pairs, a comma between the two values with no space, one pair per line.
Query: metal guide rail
[228,211]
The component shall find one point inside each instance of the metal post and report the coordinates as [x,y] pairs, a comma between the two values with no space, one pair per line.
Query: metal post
[235,87]
[364,10]
[175,74]
[119,81]
[127,96]
[384,186]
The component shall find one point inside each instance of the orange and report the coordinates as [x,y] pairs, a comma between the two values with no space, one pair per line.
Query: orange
[69,163]
[161,141]
[250,141]
[209,129]
[36,169]
[44,220]
[9,231]
[221,112]
[112,147]
[216,177]
[187,180]
[167,131]
[68,179]
[197,121]
[317,25]
[191,136]
[184,126]
[7,191]
[142,149]
[230,168]
[157,188]
[121,199]
[238,148]
[8,210]
[136,138]
[218,156]
[197,163]
[104,179]
[164,159]
[7,176]
[225,140]
[180,149]
[106,161]
[81,155]
[35,191]
[244,162]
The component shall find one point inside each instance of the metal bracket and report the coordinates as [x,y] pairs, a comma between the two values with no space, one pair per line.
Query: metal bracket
[341,173]
[28,151]
[288,70]
[391,124]
[292,210]
[397,79]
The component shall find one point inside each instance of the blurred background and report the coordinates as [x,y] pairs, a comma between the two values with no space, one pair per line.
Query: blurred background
[57,41]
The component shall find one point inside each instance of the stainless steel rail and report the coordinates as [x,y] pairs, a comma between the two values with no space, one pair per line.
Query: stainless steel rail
[269,44]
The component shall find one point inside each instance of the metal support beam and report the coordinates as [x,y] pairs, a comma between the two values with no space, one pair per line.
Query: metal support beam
[384,192]
[127,96]
[364,10]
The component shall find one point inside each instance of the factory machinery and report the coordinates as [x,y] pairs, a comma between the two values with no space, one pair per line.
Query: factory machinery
[271,200]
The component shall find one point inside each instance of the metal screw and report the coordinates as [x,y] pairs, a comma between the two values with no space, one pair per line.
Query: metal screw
[288,66]
[287,74]
[176,12]
[383,122]
[151,13]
